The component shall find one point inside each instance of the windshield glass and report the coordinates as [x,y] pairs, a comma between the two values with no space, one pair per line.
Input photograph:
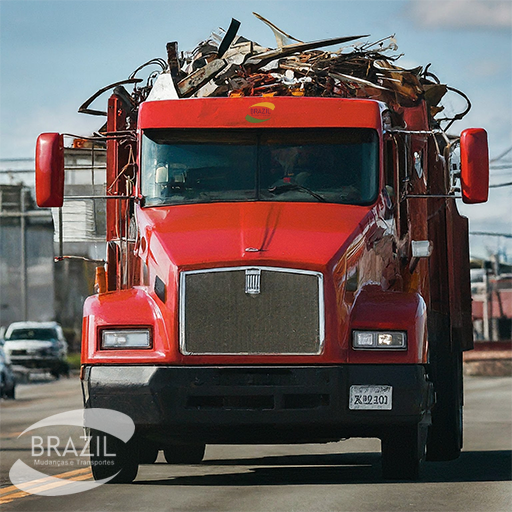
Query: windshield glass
[33,334]
[194,166]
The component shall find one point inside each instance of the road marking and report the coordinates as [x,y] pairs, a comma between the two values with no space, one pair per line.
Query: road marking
[23,494]
[10,435]
[67,474]
[8,494]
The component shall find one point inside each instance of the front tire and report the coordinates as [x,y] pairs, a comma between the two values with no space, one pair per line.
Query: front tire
[110,456]
[403,451]
[11,394]
[148,452]
[446,432]
[184,453]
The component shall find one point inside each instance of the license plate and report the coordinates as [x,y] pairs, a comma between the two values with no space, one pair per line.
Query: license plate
[371,397]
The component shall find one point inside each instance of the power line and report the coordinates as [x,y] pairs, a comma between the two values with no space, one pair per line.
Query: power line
[485,233]
[499,157]
[17,159]
[15,171]
[501,185]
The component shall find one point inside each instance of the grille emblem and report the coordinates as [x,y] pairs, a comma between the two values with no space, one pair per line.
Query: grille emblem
[253,281]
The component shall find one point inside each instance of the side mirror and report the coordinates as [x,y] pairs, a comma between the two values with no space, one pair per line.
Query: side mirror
[50,170]
[474,165]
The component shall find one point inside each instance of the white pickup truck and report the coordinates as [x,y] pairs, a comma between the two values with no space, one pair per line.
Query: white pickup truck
[39,345]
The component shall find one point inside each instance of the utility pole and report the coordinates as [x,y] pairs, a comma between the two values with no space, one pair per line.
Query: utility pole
[485,313]
[23,259]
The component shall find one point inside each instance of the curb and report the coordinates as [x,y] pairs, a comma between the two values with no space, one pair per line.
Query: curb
[489,358]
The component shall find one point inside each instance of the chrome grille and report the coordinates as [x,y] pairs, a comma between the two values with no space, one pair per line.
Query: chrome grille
[251,310]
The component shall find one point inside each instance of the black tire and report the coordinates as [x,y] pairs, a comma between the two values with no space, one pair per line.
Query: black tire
[148,452]
[64,369]
[109,455]
[11,394]
[446,432]
[184,453]
[403,451]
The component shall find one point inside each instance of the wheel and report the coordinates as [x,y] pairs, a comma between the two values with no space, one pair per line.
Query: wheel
[64,369]
[446,432]
[110,456]
[148,452]
[403,451]
[184,453]
[11,394]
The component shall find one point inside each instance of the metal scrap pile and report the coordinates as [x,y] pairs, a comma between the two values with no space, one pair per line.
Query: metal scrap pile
[230,65]
[227,64]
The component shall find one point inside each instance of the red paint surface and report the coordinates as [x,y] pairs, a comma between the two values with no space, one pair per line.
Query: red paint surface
[303,235]
[289,112]
[49,170]
[474,165]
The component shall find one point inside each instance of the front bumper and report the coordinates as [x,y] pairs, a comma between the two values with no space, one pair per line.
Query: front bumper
[41,362]
[256,404]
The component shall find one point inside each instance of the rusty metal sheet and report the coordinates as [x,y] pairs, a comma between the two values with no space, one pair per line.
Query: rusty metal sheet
[201,76]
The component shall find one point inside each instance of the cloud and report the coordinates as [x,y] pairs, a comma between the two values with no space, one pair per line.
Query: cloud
[479,14]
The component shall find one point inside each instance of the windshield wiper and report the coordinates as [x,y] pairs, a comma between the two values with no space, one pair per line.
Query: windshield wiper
[287,187]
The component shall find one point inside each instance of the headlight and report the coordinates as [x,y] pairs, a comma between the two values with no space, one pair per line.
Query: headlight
[393,340]
[126,338]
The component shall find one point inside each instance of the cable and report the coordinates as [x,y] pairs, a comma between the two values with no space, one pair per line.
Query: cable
[506,152]
[485,233]
[158,61]
[501,185]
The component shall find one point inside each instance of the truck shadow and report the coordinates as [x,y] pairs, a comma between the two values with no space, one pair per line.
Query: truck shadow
[472,466]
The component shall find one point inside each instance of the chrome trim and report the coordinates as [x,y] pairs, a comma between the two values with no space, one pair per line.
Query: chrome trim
[253,281]
[321,309]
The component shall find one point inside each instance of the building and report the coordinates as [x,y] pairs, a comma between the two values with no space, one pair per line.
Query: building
[491,290]
[26,257]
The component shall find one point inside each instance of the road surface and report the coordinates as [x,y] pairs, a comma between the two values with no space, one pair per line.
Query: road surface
[341,476]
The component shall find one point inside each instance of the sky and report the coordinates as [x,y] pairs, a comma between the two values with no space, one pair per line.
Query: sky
[56,54]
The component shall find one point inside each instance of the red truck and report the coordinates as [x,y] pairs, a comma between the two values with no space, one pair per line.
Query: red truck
[280,269]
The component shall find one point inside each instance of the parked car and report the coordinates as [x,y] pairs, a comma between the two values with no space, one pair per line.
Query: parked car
[37,345]
[7,379]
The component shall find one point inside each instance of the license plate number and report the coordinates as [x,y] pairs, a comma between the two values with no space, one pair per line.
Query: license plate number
[371,397]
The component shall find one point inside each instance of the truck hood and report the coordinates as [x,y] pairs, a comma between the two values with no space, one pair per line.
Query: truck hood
[300,235]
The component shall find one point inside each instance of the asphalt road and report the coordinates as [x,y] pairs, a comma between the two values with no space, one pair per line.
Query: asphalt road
[341,476]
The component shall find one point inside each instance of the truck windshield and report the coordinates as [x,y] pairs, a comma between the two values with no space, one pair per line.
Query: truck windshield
[337,165]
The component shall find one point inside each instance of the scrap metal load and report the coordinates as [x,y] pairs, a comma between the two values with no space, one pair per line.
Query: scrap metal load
[230,65]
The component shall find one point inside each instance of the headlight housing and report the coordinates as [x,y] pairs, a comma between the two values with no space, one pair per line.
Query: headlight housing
[379,340]
[125,338]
